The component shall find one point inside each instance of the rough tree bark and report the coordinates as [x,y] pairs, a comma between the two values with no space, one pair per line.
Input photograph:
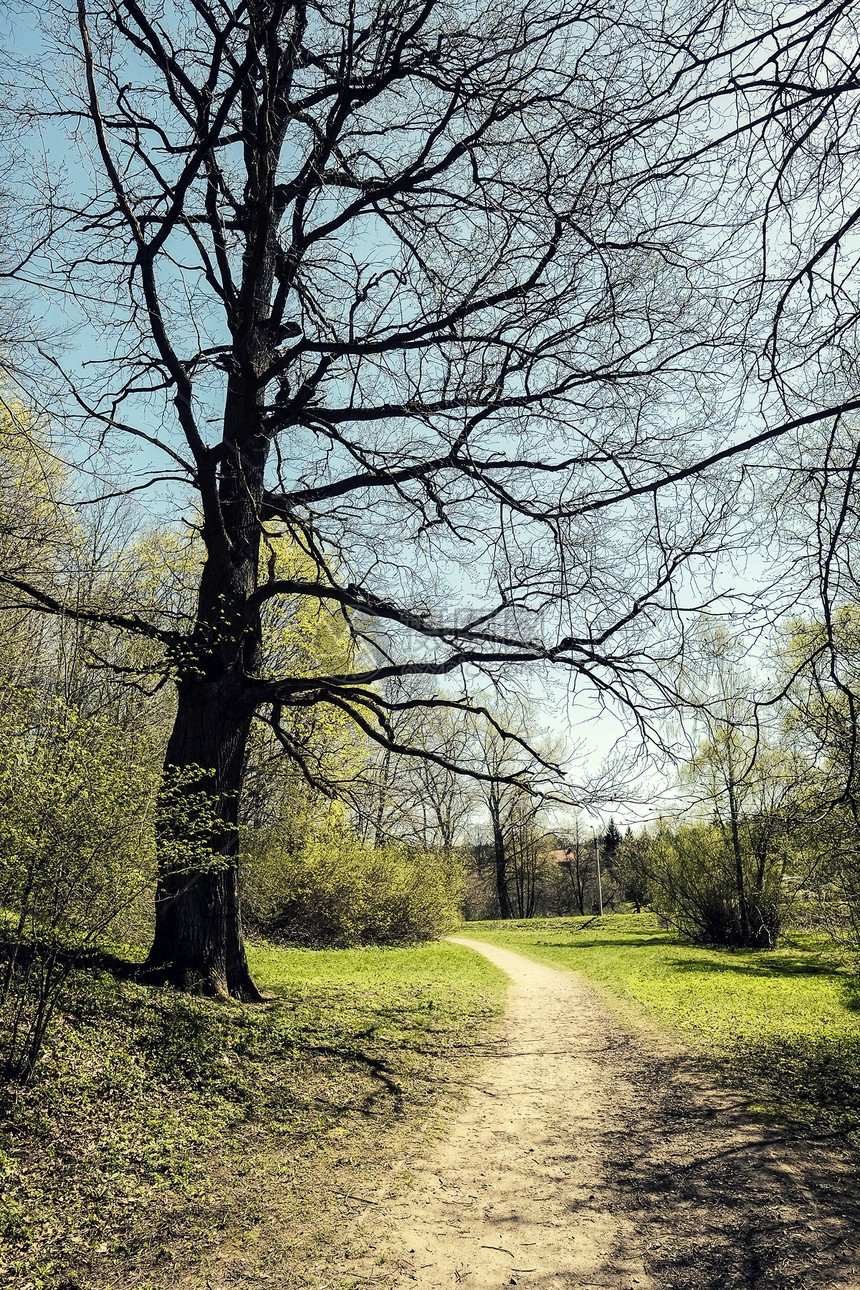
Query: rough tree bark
[198,930]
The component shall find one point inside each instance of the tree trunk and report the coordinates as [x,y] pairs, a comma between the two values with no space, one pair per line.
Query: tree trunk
[743,913]
[379,835]
[574,867]
[500,856]
[198,941]
[198,932]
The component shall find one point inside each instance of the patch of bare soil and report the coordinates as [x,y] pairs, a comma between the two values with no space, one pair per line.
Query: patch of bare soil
[581,1157]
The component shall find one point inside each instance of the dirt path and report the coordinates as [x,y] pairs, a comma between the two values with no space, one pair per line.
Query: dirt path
[581,1158]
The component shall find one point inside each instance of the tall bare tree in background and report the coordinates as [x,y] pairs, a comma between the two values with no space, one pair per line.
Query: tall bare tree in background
[446,294]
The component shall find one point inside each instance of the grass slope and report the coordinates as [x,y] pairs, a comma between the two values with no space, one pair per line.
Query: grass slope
[783,1024]
[168,1140]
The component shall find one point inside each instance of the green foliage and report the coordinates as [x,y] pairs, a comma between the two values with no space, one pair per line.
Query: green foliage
[821,667]
[631,868]
[326,887]
[722,880]
[302,636]
[784,1024]
[33,528]
[192,834]
[692,878]
[38,539]
[76,851]
[832,901]
[156,1121]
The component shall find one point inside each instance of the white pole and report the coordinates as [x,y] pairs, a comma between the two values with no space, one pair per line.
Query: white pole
[599,881]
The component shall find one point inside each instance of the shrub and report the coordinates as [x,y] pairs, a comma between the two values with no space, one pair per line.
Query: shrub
[328,888]
[692,879]
[76,850]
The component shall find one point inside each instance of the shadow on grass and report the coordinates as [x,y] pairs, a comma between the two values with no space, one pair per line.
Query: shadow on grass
[621,942]
[76,958]
[809,1079]
[851,993]
[756,963]
[269,1059]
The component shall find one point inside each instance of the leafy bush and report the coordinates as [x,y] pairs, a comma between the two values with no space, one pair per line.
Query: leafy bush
[692,879]
[76,850]
[330,889]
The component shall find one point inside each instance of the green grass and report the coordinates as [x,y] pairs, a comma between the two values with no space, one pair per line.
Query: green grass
[165,1136]
[158,1124]
[783,1024]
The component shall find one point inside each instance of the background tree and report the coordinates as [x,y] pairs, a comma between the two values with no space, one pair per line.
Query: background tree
[632,869]
[579,863]
[37,540]
[510,792]
[526,847]
[610,842]
[818,663]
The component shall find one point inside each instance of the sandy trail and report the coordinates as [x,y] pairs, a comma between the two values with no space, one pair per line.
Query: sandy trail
[583,1158]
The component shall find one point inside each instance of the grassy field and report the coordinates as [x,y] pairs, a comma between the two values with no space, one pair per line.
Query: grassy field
[169,1140]
[783,1024]
[165,1134]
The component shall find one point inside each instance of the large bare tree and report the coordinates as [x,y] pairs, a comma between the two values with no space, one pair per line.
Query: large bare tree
[422,287]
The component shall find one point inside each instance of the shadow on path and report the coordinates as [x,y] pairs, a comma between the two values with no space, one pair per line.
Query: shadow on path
[721,1201]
